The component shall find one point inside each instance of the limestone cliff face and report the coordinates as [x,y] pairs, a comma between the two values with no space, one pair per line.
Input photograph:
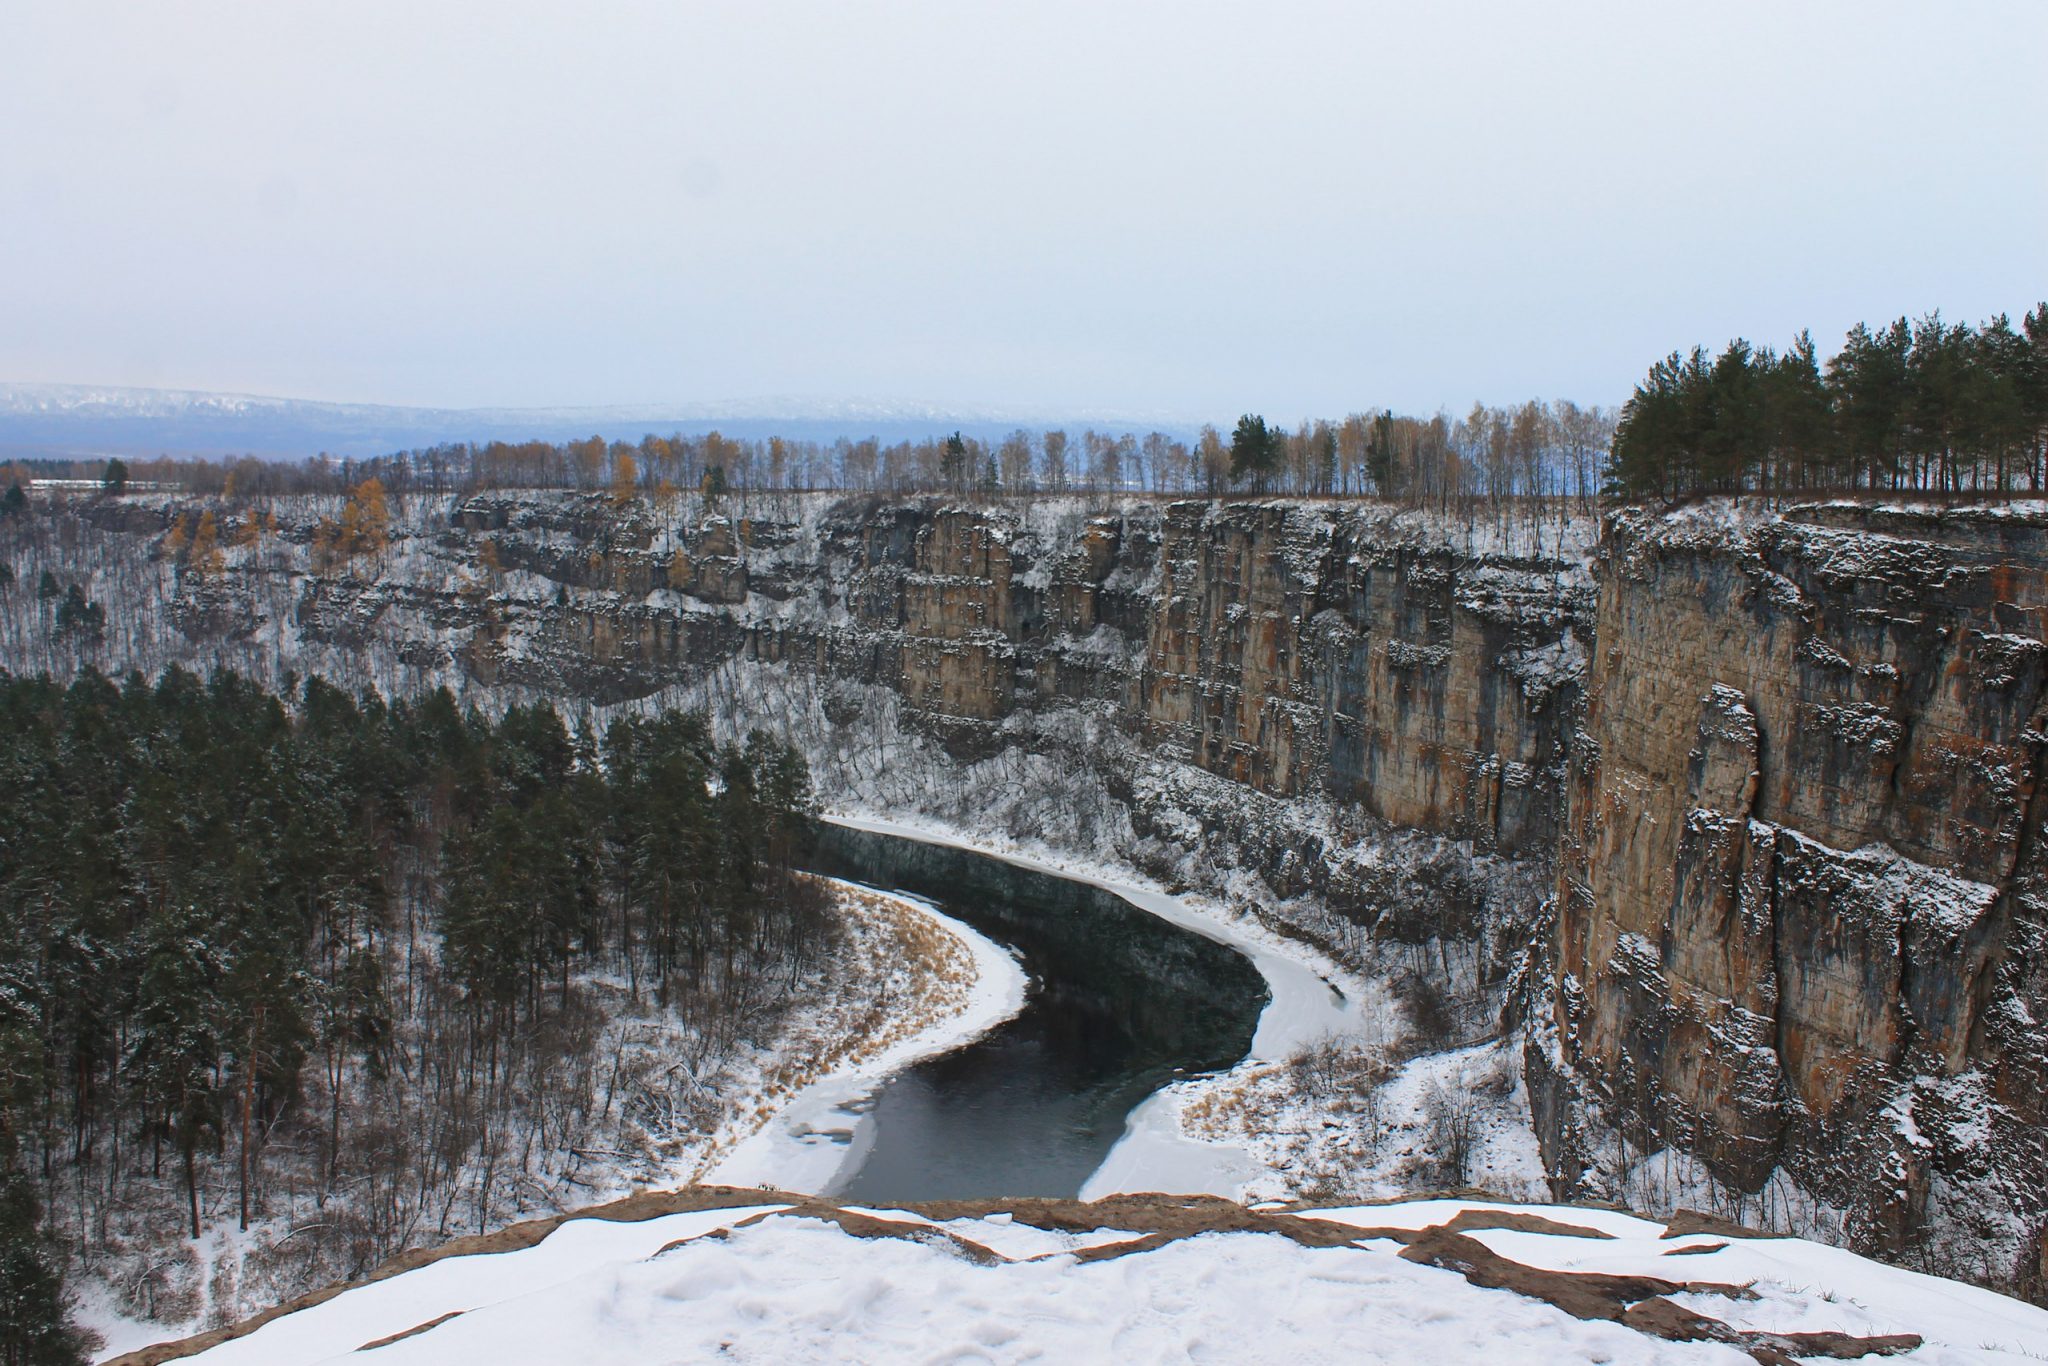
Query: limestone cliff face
[1799,908]
[1295,649]
[1299,654]
[1334,657]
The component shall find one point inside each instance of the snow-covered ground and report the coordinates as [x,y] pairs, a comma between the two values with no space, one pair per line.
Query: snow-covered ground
[772,1283]
[912,982]
[815,1131]
[1351,1119]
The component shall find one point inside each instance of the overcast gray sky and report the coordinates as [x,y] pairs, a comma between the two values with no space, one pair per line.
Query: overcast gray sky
[1185,209]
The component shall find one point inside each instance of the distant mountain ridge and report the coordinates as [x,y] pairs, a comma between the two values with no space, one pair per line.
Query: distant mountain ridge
[80,420]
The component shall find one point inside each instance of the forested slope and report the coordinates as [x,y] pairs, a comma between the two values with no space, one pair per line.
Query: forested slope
[381,971]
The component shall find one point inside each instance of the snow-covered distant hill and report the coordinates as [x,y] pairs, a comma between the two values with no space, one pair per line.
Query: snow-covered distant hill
[90,420]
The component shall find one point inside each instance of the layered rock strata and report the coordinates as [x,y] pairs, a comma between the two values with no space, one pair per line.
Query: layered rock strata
[1298,650]
[1799,910]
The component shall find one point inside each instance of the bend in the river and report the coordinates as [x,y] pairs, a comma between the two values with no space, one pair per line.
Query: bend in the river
[1121,1003]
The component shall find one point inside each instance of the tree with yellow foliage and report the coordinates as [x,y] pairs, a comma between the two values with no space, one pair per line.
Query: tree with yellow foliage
[205,557]
[178,538]
[364,528]
[625,478]
[367,517]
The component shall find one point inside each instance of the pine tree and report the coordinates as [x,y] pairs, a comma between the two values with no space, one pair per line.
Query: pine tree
[1380,455]
[953,464]
[179,1040]
[1868,381]
[35,1327]
[1798,419]
[80,616]
[1255,451]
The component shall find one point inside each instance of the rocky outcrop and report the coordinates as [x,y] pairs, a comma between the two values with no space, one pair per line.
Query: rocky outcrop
[1798,911]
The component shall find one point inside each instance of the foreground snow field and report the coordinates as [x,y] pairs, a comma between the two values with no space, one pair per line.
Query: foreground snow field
[1140,1279]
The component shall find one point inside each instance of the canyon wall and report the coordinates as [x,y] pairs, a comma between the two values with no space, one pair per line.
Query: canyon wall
[1252,697]
[1297,650]
[1799,902]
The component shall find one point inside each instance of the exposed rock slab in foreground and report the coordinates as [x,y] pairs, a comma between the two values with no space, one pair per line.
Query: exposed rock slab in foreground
[761,1275]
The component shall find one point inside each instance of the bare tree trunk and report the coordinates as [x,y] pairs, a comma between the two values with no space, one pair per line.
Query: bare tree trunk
[191,1185]
[248,1104]
[333,1115]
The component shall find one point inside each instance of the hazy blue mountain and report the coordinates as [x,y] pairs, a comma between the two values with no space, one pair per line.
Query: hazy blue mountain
[85,420]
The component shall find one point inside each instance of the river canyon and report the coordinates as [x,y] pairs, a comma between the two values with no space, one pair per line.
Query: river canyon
[1728,815]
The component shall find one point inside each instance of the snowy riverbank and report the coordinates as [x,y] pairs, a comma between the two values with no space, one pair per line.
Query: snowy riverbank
[1312,1000]
[815,1132]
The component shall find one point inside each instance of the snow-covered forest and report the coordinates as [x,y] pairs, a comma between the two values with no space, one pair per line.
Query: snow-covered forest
[366,974]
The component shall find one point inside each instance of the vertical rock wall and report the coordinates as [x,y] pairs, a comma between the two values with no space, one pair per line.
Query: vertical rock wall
[1797,904]
[1421,670]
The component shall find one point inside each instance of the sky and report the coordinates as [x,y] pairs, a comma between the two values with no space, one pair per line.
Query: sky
[1179,209]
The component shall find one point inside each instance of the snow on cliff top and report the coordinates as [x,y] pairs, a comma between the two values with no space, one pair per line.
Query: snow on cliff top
[1161,1279]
